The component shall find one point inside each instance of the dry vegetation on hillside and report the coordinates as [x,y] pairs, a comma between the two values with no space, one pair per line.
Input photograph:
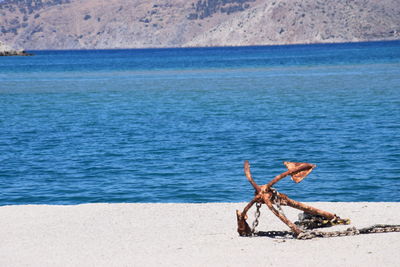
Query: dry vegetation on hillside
[77,24]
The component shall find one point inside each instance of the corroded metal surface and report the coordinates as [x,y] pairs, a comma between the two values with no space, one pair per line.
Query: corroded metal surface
[267,195]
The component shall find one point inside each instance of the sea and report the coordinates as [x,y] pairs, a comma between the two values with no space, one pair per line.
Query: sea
[175,125]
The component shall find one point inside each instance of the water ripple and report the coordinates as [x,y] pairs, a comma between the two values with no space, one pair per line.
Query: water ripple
[181,134]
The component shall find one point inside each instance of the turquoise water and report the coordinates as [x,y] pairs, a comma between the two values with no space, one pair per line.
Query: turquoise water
[175,125]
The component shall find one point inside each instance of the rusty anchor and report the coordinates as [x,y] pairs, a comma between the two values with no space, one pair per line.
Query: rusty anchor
[269,196]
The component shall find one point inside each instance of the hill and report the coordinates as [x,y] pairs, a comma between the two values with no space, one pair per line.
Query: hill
[89,24]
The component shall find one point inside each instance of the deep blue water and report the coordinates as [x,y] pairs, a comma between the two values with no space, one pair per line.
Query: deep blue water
[175,125]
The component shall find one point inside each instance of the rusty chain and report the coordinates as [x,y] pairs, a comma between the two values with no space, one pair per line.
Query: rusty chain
[378,228]
[277,200]
[308,221]
[257,214]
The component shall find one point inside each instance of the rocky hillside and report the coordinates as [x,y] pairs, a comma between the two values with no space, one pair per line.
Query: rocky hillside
[86,24]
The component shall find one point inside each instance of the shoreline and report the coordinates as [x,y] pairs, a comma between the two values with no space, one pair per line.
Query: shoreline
[182,234]
[6,50]
[231,46]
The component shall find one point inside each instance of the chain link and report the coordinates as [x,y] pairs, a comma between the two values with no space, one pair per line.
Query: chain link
[277,201]
[311,221]
[378,228]
[257,214]
[308,221]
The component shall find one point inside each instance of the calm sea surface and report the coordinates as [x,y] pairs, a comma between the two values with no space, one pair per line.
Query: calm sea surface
[175,125]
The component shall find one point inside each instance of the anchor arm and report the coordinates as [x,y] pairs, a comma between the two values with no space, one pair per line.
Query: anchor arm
[300,168]
[243,227]
[249,177]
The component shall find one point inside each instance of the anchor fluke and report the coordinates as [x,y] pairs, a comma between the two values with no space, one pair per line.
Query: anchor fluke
[300,170]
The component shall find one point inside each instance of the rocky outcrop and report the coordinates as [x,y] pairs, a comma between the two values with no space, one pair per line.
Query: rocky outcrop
[105,24]
[6,50]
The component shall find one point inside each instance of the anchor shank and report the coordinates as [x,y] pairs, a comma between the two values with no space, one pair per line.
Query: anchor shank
[301,206]
[292,226]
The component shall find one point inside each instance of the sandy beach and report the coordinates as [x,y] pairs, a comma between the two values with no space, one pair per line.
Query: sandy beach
[185,235]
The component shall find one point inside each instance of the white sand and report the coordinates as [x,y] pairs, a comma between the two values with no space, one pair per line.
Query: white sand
[185,235]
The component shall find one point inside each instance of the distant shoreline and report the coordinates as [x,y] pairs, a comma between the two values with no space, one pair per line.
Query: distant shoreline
[210,47]
[6,50]
[14,53]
